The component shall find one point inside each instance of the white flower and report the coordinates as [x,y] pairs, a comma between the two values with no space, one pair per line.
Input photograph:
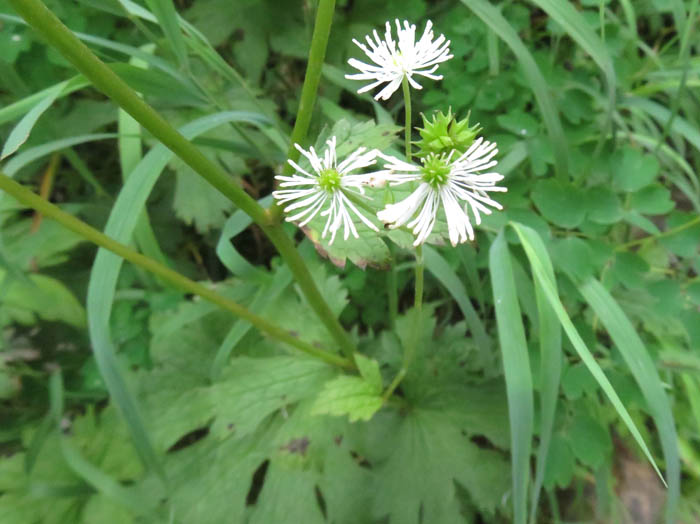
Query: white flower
[326,188]
[392,63]
[445,181]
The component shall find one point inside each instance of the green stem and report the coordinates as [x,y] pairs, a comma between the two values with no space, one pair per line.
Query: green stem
[103,78]
[407,111]
[416,327]
[651,238]
[410,349]
[27,197]
[391,280]
[314,68]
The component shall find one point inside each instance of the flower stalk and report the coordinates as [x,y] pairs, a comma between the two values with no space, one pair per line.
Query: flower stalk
[49,210]
[407,112]
[103,78]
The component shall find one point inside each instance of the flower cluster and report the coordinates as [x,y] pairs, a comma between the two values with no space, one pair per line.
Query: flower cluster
[455,173]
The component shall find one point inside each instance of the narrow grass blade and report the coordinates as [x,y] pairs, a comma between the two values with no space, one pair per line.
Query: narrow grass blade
[564,13]
[19,108]
[164,11]
[644,371]
[630,16]
[550,376]
[130,154]
[20,133]
[540,262]
[662,115]
[441,270]
[684,184]
[105,273]
[516,366]
[693,394]
[84,171]
[492,17]
[227,253]
[37,152]
[678,11]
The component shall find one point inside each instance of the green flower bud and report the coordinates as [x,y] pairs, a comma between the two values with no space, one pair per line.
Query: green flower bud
[445,133]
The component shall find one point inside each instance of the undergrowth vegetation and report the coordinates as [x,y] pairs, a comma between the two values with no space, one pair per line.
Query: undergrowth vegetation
[237,368]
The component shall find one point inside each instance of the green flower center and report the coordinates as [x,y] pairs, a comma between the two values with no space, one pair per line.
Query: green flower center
[436,170]
[329,180]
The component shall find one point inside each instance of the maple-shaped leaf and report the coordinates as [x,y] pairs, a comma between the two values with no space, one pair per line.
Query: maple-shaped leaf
[427,454]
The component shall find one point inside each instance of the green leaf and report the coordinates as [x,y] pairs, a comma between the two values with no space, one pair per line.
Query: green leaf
[516,365]
[367,250]
[644,371]
[288,496]
[685,242]
[551,357]
[642,222]
[39,296]
[589,440]
[266,295]
[492,16]
[252,388]
[630,268]
[355,397]
[559,202]
[652,200]
[225,250]
[561,463]
[537,255]
[48,246]
[439,267]
[577,380]
[427,453]
[369,370]
[632,170]
[196,202]
[34,153]
[575,256]
[693,291]
[566,15]
[105,272]
[519,123]
[602,205]
[164,10]
[223,470]
[20,133]
[20,107]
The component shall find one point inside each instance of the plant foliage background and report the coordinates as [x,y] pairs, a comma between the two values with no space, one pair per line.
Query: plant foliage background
[595,108]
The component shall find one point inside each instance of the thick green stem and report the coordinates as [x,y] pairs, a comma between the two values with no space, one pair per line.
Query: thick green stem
[27,197]
[407,111]
[314,67]
[103,78]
